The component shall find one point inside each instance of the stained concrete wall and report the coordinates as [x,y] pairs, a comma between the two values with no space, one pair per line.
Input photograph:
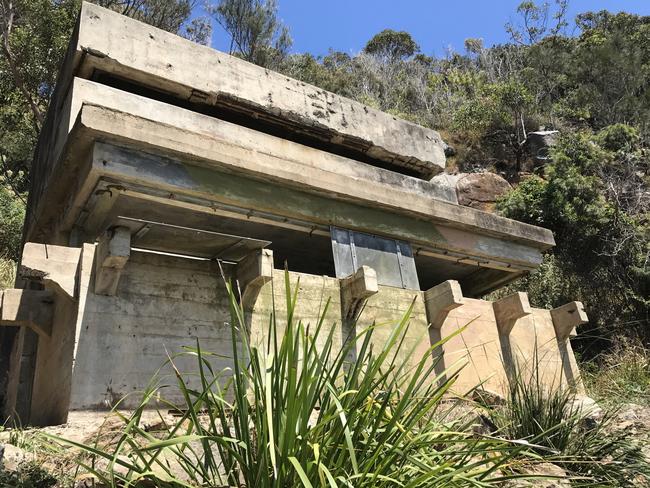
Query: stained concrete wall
[162,304]
[102,348]
[482,356]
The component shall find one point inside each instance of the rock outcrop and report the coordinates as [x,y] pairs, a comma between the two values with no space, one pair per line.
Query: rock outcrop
[481,190]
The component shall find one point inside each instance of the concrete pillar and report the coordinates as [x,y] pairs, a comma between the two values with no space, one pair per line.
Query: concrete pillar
[252,273]
[112,253]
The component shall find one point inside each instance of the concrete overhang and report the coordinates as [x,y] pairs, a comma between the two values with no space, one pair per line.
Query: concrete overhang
[113,154]
[118,50]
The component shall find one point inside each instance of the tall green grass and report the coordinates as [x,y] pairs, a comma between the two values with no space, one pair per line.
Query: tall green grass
[292,414]
[562,431]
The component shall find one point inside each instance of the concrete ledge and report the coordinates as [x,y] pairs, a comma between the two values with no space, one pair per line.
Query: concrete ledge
[356,289]
[509,309]
[566,318]
[53,266]
[27,308]
[442,299]
[108,42]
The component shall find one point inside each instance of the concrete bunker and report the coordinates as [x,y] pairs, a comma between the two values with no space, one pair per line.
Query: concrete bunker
[154,176]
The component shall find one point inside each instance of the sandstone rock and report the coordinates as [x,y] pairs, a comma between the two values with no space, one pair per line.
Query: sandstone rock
[557,477]
[13,456]
[487,397]
[481,190]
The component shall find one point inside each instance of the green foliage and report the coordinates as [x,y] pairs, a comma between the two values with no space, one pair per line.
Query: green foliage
[256,32]
[562,431]
[618,137]
[295,413]
[392,45]
[621,374]
[28,475]
[7,273]
[12,214]
[590,198]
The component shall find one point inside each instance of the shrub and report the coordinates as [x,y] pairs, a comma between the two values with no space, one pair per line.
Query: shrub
[560,430]
[622,374]
[12,215]
[294,415]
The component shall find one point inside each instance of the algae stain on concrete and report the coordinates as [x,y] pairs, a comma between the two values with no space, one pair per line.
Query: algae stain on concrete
[254,194]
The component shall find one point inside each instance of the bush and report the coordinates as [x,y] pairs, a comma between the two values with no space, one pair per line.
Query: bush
[298,415]
[561,431]
[621,375]
[12,215]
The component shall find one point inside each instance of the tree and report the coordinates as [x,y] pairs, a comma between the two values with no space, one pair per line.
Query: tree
[538,21]
[602,255]
[392,45]
[34,35]
[256,33]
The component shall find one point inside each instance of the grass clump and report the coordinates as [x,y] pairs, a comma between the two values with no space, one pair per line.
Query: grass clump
[562,431]
[292,414]
[28,475]
[622,374]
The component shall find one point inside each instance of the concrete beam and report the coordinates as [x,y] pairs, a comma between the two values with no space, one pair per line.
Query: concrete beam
[111,255]
[566,318]
[442,299]
[356,289]
[53,266]
[509,309]
[27,308]
[252,273]
[108,42]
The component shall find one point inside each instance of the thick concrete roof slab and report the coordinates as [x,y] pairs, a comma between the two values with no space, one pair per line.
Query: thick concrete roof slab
[106,42]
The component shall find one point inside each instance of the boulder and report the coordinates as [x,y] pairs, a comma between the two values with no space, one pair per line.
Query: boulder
[481,190]
[538,143]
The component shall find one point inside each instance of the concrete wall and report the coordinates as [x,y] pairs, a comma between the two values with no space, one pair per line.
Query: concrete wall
[483,355]
[162,304]
[102,348]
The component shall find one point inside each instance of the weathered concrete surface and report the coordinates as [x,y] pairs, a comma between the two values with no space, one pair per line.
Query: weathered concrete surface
[299,171]
[496,342]
[27,308]
[102,348]
[113,252]
[53,266]
[111,43]
[356,289]
[162,304]
[442,299]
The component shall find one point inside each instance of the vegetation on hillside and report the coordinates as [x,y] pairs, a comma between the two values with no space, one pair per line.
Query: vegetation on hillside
[592,85]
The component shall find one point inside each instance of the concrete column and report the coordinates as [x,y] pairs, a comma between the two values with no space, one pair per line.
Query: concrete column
[252,273]
[112,253]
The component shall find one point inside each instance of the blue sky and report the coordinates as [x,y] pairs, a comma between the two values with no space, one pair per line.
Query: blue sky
[346,25]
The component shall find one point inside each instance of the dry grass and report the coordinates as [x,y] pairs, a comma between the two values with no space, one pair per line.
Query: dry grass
[621,375]
[7,273]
